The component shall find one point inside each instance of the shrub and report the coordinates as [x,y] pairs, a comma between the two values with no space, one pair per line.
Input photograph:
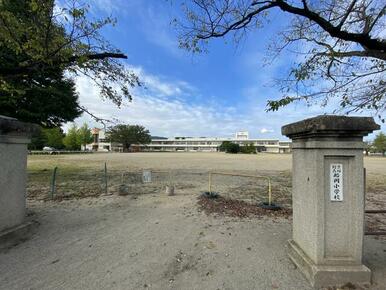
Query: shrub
[224,146]
[229,147]
[248,149]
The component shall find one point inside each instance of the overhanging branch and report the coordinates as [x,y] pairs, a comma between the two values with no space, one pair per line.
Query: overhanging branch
[361,38]
[8,72]
[98,56]
[377,46]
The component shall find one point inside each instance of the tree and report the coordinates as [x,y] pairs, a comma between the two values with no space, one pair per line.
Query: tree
[224,146]
[54,137]
[341,46]
[380,143]
[368,146]
[50,102]
[43,46]
[71,140]
[248,148]
[84,135]
[51,137]
[38,140]
[229,147]
[233,148]
[128,135]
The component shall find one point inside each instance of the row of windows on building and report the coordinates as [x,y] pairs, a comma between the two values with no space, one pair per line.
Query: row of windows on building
[212,142]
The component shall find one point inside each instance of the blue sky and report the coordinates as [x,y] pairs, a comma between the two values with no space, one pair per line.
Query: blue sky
[211,94]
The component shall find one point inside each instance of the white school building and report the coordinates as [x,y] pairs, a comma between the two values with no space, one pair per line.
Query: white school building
[191,144]
[212,144]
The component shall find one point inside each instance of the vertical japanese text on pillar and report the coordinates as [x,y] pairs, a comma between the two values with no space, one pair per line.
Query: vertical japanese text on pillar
[336,182]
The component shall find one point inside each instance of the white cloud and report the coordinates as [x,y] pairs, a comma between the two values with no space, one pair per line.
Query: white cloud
[265,130]
[162,107]
[161,87]
[113,7]
[166,109]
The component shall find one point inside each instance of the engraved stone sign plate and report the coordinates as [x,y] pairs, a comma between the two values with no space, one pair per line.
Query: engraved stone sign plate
[336,182]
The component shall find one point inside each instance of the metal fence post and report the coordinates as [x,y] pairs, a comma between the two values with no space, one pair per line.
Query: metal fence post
[210,183]
[105,174]
[53,182]
[269,192]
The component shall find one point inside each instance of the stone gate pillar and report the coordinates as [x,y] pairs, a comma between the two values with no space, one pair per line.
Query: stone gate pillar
[14,137]
[328,198]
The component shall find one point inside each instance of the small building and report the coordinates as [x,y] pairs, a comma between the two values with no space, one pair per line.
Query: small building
[101,143]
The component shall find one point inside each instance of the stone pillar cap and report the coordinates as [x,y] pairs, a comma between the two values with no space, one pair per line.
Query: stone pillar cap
[11,126]
[330,126]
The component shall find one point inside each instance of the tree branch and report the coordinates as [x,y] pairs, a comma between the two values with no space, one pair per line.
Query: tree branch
[363,39]
[341,54]
[349,10]
[380,14]
[98,56]
[96,118]
[15,71]
[243,22]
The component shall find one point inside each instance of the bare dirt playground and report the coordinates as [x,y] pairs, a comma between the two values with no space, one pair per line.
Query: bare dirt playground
[87,239]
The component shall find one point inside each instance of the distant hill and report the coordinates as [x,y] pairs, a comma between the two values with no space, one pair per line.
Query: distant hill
[158,137]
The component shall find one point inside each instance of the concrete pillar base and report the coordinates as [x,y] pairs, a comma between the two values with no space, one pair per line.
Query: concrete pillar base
[17,234]
[327,275]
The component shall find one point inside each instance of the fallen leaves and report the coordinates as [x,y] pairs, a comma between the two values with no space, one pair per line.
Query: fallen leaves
[237,208]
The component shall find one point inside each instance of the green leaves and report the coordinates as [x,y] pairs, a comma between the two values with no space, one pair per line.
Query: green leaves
[40,45]
[229,147]
[128,135]
[380,143]
[273,105]
[71,140]
[84,135]
[78,12]
[54,137]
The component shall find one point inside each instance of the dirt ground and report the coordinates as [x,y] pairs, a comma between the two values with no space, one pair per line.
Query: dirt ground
[182,160]
[148,240]
[80,176]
